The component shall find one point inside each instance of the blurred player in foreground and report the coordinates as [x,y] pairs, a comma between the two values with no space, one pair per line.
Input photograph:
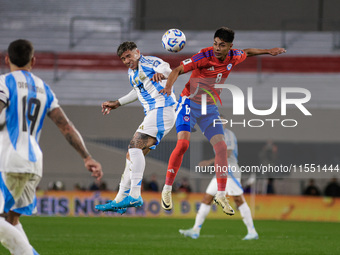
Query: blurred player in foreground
[25,100]
[210,66]
[233,189]
[146,75]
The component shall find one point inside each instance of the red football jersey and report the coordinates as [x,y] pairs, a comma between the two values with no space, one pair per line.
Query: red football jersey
[207,70]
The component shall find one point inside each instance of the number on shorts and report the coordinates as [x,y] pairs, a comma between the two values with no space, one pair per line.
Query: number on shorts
[187,110]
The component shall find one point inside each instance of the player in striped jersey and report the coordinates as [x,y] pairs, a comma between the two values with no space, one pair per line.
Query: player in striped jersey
[25,100]
[210,66]
[233,189]
[146,75]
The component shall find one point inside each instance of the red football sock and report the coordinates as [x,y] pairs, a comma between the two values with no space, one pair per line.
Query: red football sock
[175,160]
[221,165]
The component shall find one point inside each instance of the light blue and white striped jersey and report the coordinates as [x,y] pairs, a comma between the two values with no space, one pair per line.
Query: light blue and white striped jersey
[231,141]
[147,90]
[28,101]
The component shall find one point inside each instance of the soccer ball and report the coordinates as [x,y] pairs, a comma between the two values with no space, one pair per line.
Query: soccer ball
[173,40]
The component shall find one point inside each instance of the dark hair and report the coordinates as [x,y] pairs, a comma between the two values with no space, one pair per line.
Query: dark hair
[225,34]
[125,46]
[20,52]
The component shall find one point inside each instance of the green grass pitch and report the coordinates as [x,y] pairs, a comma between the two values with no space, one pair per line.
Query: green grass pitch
[122,235]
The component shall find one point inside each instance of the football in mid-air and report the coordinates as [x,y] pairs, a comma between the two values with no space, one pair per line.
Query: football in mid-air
[173,40]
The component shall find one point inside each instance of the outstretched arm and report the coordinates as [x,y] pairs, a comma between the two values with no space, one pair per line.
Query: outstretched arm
[107,106]
[273,51]
[75,139]
[171,80]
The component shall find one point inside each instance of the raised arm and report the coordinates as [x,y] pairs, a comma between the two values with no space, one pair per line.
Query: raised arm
[75,139]
[171,80]
[273,51]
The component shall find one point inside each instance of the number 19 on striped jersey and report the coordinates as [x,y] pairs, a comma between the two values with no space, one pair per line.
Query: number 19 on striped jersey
[30,116]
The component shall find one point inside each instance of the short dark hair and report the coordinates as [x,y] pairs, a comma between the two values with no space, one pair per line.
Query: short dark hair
[225,34]
[125,46]
[20,52]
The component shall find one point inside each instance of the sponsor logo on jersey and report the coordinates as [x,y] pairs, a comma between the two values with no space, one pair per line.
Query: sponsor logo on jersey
[211,69]
[229,67]
[187,61]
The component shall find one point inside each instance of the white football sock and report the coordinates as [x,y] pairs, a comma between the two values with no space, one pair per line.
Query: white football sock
[167,187]
[125,183]
[137,167]
[221,193]
[13,240]
[21,230]
[201,215]
[247,218]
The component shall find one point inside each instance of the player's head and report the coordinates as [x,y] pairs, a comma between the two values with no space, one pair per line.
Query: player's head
[225,34]
[20,53]
[129,54]
[223,42]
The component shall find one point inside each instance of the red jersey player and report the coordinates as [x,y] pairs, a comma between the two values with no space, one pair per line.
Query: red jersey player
[207,71]
[210,66]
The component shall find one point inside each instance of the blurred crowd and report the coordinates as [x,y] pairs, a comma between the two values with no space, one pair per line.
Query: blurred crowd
[332,189]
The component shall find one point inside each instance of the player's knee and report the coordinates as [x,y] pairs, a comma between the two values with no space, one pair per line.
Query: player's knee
[238,200]
[136,144]
[182,146]
[141,141]
[132,144]
[13,218]
[207,199]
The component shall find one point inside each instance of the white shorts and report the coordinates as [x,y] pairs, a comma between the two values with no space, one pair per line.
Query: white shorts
[158,122]
[17,192]
[234,187]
